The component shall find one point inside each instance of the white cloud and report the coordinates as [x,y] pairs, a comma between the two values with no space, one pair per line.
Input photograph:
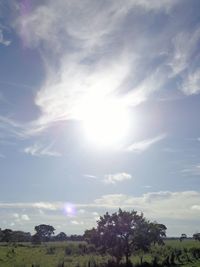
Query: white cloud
[148,186]
[77,222]
[164,206]
[90,176]
[20,217]
[145,144]
[193,170]
[82,211]
[31,205]
[110,201]
[45,205]
[16,215]
[191,84]
[87,22]
[3,41]
[156,205]
[25,217]
[196,207]
[117,177]
[11,128]
[185,44]
[77,86]
[41,150]
[75,42]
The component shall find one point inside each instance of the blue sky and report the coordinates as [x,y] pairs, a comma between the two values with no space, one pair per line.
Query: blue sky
[61,65]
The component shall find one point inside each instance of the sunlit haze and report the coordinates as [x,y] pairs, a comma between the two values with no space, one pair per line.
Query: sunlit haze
[106,123]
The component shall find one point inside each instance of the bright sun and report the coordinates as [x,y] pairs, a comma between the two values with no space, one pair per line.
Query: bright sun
[106,123]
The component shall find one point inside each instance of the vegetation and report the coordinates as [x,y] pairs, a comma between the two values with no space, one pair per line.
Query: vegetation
[120,239]
[197,236]
[123,233]
[81,254]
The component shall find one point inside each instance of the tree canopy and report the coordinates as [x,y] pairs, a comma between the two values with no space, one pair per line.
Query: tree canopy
[123,232]
[44,231]
[196,236]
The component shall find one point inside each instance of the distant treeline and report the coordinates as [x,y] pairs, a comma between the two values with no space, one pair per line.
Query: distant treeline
[8,235]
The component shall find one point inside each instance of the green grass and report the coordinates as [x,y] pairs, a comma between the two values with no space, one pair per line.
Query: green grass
[184,244]
[45,255]
[54,253]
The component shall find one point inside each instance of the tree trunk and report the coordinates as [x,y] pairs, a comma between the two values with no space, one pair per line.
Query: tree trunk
[127,258]
[141,259]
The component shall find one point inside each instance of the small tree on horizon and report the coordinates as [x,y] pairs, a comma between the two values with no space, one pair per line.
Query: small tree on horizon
[196,236]
[182,237]
[61,236]
[44,231]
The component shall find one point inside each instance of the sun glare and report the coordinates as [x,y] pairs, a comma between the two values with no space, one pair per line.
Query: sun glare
[106,123]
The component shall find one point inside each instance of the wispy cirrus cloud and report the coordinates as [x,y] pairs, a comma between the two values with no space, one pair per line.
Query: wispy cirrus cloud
[31,205]
[184,60]
[191,84]
[90,176]
[116,178]
[45,205]
[145,144]
[3,41]
[40,150]
[191,170]
[75,44]
[12,129]
[86,69]
[185,45]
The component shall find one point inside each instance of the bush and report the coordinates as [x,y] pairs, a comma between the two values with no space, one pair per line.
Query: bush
[51,250]
[36,240]
[68,251]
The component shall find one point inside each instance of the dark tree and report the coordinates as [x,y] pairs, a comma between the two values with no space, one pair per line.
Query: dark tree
[91,236]
[196,236]
[20,236]
[76,238]
[36,239]
[157,232]
[1,235]
[44,231]
[182,237]
[122,233]
[61,237]
[6,235]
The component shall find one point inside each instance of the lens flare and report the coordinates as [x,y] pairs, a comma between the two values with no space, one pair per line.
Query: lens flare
[69,209]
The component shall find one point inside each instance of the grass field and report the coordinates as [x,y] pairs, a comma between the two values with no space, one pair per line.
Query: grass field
[74,254]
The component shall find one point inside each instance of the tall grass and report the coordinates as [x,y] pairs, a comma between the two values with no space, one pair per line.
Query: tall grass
[79,254]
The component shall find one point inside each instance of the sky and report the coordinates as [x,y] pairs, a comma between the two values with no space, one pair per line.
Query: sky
[99,109]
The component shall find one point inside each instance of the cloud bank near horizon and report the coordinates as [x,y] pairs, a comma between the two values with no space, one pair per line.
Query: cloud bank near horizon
[155,205]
